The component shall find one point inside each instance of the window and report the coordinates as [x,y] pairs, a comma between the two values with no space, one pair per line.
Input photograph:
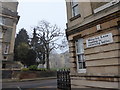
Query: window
[6,21]
[3,65]
[0,20]
[75,9]
[6,48]
[1,35]
[81,67]
[105,5]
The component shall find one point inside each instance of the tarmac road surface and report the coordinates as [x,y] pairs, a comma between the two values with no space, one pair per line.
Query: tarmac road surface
[28,85]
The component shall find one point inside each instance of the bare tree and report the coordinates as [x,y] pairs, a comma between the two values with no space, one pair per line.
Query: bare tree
[48,34]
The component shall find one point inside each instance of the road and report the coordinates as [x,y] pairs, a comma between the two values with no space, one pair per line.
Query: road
[51,83]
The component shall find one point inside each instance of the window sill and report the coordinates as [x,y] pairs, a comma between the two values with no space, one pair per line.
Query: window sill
[75,17]
[105,6]
[81,71]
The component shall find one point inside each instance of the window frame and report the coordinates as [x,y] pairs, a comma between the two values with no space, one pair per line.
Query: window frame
[6,48]
[6,21]
[1,22]
[74,7]
[81,54]
[1,35]
[105,6]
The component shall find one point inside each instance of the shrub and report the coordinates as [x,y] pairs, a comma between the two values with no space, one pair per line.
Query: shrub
[53,69]
[33,67]
[25,69]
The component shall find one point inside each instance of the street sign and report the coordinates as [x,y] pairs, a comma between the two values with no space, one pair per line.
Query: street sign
[99,40]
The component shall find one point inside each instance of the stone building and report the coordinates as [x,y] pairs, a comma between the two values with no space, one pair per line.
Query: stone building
[8,20]
[59,60]
[93,32]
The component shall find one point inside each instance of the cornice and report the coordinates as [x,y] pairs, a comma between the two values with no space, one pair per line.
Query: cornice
[93,23]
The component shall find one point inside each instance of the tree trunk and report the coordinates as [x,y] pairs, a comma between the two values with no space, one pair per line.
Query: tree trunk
[47,62]
[47,57]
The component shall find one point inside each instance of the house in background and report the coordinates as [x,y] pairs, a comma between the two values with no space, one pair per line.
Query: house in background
[65,58]
[93,32]
[59,60]
[8,21]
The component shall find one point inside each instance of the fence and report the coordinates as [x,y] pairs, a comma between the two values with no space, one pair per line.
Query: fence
[63,79]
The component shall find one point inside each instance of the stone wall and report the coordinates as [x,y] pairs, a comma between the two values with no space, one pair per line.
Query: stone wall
[102,61]
[6,74]
[35,74]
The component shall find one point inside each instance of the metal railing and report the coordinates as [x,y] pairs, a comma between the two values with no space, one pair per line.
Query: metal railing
[63,79]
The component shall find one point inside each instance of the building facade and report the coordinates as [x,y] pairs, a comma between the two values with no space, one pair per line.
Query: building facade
[59,60]
[93,32]
[8,21]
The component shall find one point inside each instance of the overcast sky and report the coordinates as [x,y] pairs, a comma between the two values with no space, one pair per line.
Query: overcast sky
[31,12]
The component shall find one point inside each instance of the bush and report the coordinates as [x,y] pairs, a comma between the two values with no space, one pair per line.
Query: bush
[33,67]
[25,69]
[53,69]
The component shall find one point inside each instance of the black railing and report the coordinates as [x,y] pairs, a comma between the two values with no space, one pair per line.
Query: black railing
[63,79]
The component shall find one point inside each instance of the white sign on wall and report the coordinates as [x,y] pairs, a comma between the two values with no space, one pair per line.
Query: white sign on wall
[99,40]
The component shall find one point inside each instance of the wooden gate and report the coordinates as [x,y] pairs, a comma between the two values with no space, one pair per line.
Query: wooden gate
[63,79]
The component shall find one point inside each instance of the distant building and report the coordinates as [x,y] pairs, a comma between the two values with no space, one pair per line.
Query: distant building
[93,32]
[55,61]
[59,60]
[8,21]
[65,59]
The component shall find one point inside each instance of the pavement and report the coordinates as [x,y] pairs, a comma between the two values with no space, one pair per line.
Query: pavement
[23,80]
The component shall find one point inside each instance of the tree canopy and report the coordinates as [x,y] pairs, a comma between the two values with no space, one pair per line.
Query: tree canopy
[22,37]
[48,35]
[22,50]
[44,39]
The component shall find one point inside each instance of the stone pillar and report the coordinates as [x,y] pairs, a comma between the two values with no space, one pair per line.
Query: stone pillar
[12,42]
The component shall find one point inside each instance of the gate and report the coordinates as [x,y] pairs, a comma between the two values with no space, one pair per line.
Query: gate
[63,79]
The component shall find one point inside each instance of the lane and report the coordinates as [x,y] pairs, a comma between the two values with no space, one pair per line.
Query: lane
[51,83]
